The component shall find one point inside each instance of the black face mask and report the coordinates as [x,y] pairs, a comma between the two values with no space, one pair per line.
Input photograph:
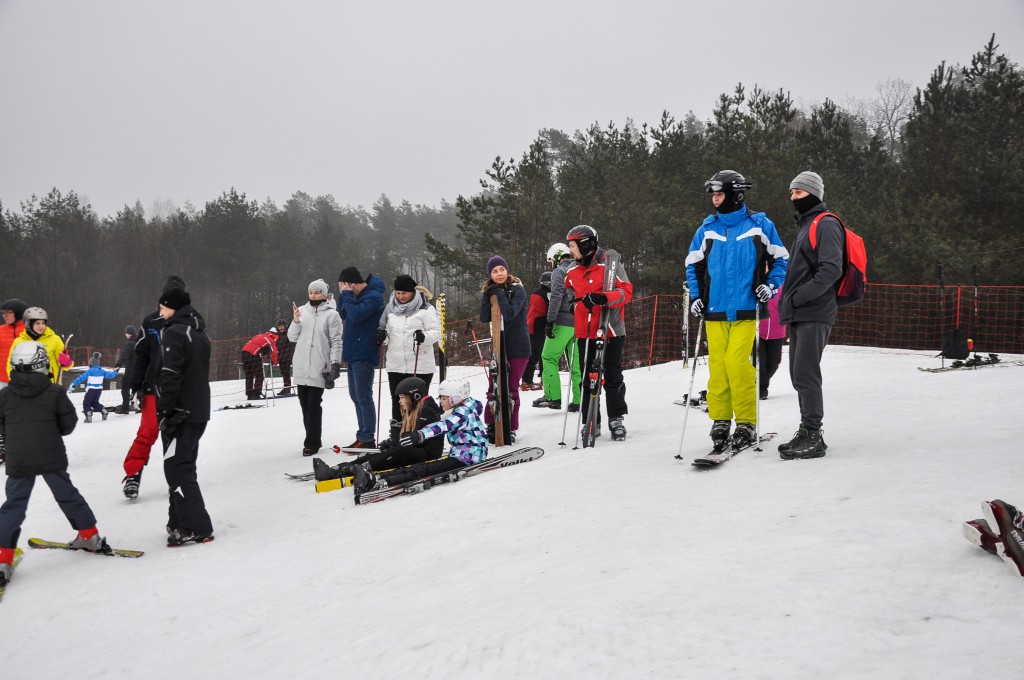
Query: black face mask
[733,202]
[316,303]
[804,204]
[32,334]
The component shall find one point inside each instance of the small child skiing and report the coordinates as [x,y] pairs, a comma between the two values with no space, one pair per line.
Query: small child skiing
[35,416]
[93,378]
[466,434]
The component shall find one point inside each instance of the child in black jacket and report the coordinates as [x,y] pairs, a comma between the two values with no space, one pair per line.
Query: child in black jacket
[35,416]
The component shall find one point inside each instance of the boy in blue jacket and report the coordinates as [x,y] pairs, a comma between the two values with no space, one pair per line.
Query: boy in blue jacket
[93,379]
[736,262]
[360,308]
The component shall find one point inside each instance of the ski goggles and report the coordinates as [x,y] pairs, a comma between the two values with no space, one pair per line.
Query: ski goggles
[714,186]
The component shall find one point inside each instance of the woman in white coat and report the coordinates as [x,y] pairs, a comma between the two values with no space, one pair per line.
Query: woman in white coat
[316,364]
[409,328]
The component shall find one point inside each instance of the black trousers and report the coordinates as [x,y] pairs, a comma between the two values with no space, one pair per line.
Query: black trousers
[252,364]
[421,470]
[396,457]
[186,510]
[536,347]
[310,401]
[769,359]
[614,384]
[393,380]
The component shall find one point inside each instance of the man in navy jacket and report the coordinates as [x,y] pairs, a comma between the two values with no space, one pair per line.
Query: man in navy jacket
[361,305]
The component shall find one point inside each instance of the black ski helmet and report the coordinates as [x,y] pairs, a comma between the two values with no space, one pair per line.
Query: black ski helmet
[732,184]
[15,305]
[414,387]
[585,237]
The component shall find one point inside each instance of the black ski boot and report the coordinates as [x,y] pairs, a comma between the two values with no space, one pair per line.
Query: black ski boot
[573,408]
[285,392]
[365,480]
[103,414]
[544,402]
[720,434]
[618,430]
[808,443]
[1008,521]
[131,485]
[744,435]
[322,471]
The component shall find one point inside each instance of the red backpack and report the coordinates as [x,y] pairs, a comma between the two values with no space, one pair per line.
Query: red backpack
[850,287]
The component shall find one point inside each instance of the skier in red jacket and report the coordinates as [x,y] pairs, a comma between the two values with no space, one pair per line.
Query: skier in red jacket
[252,361]
[585,284]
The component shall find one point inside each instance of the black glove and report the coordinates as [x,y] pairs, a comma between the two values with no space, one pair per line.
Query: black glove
[493,289]
[331,375]
[413,438]
[170,422]
[549,330]
[418,337]
[382,335]
[592,300]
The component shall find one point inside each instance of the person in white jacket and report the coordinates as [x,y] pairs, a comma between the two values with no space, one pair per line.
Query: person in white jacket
[316,364]
[410,328]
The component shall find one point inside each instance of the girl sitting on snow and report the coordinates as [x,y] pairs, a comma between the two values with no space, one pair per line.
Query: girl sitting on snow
[418,411]
[466,434]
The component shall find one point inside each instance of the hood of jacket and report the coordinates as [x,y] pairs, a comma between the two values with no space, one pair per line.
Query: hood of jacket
[28,385]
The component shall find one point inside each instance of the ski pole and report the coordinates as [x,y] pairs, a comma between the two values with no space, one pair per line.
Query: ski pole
[757,378]
[416,359]
[583,367]
[942,316]
[568,395]
[693,374]
[476,343]
[380,382]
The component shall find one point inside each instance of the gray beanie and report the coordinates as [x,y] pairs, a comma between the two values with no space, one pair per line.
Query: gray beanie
[94,360]
[320,285]
[810,182]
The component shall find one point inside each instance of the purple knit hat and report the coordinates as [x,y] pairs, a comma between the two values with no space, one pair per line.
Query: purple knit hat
[494,262]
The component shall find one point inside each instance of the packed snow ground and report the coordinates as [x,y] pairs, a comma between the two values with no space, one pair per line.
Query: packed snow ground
[612,562]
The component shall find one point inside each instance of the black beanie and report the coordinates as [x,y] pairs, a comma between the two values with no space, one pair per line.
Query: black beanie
[17,306]
[405,283]
[350,275]
[175,299]
[174,281]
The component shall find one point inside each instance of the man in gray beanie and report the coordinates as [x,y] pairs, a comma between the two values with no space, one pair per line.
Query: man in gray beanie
[808,306]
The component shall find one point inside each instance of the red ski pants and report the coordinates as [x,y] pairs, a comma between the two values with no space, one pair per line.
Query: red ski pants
[149,431]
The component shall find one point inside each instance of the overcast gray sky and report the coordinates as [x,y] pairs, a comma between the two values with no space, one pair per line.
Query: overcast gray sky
[172,101]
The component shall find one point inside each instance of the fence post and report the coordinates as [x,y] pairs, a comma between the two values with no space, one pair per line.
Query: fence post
[654,325]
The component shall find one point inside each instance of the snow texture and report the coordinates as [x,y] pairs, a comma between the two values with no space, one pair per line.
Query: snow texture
[612,562]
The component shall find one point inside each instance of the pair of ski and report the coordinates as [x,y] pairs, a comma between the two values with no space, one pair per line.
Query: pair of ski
[965,366]
[594,366]
[502,460]
[55,545]
[240,407]
[717,455]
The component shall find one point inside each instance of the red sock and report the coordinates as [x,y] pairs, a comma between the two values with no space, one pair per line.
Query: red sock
[6,555]
[86,534]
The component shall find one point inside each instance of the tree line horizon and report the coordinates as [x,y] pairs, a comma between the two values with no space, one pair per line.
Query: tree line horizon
[928,177]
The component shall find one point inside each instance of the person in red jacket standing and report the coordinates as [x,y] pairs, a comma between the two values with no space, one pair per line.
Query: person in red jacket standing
[252,361]
[585,283]
[536,323]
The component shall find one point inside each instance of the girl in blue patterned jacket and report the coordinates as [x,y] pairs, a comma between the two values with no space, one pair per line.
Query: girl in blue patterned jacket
[466,434]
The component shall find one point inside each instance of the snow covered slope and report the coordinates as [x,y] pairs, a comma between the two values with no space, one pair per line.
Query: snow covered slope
[612,562]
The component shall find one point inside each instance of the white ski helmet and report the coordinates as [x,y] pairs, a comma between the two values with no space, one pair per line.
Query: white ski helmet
[456,390]
[34,314]
[557,252]
[30,356]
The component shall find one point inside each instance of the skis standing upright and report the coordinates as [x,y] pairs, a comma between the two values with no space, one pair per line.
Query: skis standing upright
[595,375]
[442,360]
[499,378]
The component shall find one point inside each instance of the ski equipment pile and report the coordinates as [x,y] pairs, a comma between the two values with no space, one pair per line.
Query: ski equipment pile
[239,407]
[974,362]
[595,376]
[110,552]
[497,462]
[718,456]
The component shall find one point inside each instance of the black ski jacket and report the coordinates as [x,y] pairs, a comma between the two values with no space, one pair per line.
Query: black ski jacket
[35,416]
[145,359]
[184,380]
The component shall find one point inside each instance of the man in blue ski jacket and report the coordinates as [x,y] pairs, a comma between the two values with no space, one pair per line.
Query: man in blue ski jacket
[360,307]
[736,262]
